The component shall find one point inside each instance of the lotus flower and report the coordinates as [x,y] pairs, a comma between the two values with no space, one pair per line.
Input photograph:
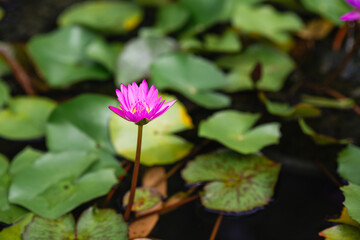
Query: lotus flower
[139,104]
[353,15]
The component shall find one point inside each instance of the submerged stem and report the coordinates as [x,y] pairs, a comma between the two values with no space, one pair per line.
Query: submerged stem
[135,175]
[216,226]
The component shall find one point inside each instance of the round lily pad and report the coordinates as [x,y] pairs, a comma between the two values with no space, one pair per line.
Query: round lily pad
[104,16]
[25,117]
[233,129]
[145,199]
[159,144]
[192,76]
[236,183]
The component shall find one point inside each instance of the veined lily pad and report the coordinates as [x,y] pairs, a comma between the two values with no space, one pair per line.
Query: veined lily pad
[352,200]
[171,17]
[61,56]
[55,183]
[266,21]
[159,145]
[236,183]
[233,129]
[320,138]
[344,103]
[192,76]
[4,93]
[75,126]
[341,231]
[145,199]
[284,110]
[330,9]
[227,42]
[275,65]
[9,213]
[349,163]
[94,224]
[137,55]
[25,117]
[107,17]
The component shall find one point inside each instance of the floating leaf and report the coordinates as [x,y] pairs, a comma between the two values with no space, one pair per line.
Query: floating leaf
[227,42]
[61,56]
[266,21]
[58,182]
[105,16]
[4,93]
[284,110]
[346,219]
[24,159]
[75,126]
[236,183]
[192,76]
[233,129]
[343,103]
[319,138]
[171,17]
[330,9]
[145,199]
[15,231]
[155,3]
[341,232]
[349,163]
[352,200]
[25,117]
[159,145]
[275,65]
[137,55]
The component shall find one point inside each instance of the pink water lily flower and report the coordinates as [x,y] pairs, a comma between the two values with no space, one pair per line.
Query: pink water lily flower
[139,104]
[353,15]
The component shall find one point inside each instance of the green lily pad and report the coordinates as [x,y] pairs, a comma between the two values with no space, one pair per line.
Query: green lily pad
[154,3]
[61,56]
[106,16]
[320,138]
[329,9]
[352,200]
[343,103]
[15,231]
[4,93]
[145,199]
[93,224]
[4,68]
[227,42]
[341,231]
[58,182]
[74,125]
[266,21]
[25,117]
[236,183]
[171,18]
[233,129]
[9,213]
[159,144]
[137,55]
[192,76]
[349,163]
[275,65]
[24,159]
[284,110]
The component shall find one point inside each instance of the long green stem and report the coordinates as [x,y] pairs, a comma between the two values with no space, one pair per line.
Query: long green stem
[135,175]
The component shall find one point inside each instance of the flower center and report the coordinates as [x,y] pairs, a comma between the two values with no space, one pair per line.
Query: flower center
[140,106]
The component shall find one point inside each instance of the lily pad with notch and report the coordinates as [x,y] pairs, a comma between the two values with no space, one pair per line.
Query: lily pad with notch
[234,183]
[234,130]
[145,199]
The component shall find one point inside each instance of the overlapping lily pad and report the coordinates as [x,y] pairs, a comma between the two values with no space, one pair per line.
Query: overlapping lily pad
[236,183]
[145,199]
[352,198]
[266,21]
[14,231]
[227,42]
[341,231]
[105,16]
[55,183]
[9,213]
[275,66]
[134,61]
[75,126]
[25,117]
[234,130]
[194,77]
[61,56]
[349,163]
[94,224]
[320,138]
[159,144]
[171,17]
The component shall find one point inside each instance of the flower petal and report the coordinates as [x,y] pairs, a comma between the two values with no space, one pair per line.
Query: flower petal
[354,3]
[122,100]
[351,16]
[159,113]
[119,112]
[168,104]
[144,89]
